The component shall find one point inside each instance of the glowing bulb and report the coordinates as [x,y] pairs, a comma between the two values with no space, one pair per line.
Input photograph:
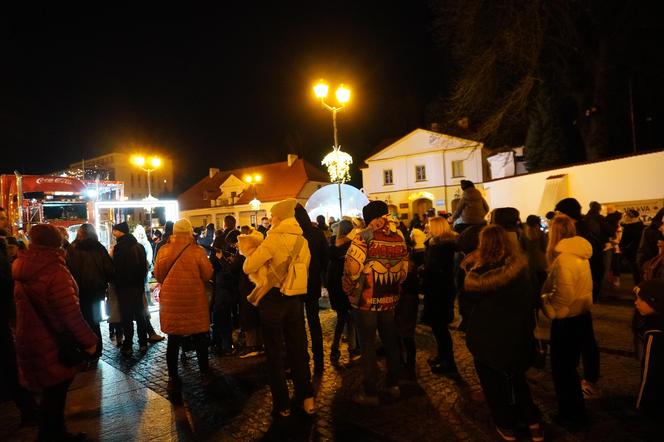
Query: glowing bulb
[138,160]
[155,162]
[343,94]
[320,89]
[248,179]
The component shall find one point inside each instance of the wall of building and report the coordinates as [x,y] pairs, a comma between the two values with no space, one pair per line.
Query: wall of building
[635,178]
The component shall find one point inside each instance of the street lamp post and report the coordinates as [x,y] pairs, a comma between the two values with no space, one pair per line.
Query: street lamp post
[148,166]
[255,204]
[337,162]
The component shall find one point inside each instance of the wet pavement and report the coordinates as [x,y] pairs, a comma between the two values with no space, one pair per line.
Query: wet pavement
[126,399]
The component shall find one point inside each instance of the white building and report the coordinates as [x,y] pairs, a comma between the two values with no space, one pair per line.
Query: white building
[422,171]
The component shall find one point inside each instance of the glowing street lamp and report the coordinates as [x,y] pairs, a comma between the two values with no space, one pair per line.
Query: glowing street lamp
[255,204]
[148,165]
[337,162]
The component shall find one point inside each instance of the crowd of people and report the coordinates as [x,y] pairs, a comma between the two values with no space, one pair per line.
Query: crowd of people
[243,292]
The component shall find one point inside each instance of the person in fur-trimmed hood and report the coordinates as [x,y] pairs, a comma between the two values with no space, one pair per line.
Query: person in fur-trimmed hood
[500,329]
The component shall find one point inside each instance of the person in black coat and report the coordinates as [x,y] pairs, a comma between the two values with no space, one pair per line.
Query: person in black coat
[319,249]
[439,291]
[92,268]
[168,231]
[338,299]
[500,329]
[226,281]
[649,238]
[130,269]
[629,242]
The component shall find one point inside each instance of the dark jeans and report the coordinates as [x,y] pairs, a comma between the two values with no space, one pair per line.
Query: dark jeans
[52,419]
[9,374]
[569,336]
[368,323]
[91,311]
[130,300]
[282,321]
[201,341]
[315,330]
[508,396]
[443,337]
[222,318]
[345,319]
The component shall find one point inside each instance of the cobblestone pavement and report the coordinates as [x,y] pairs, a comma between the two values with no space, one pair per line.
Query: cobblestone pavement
[434,408]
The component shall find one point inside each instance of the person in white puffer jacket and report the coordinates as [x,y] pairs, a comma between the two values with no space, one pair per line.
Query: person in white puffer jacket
[567,300]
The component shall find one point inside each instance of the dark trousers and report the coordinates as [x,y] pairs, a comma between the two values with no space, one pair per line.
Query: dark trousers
[368,323]
[282,321]
[222,318]
[130,300]
[9,374]
[568,337]
[201,341]
[91,311]
[443,337]
[345,319]
[52,419]
[315,330]
[508,396]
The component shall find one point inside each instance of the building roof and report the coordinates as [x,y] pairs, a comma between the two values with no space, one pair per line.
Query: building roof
[279,181]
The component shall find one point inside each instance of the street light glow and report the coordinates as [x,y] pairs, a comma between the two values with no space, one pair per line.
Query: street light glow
[320,89]
[155,162]
[343,94]
[138,160]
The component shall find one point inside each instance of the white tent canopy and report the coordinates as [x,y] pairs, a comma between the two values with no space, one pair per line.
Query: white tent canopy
[325,201]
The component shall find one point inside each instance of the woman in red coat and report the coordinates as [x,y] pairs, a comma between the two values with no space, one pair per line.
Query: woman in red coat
[44,290]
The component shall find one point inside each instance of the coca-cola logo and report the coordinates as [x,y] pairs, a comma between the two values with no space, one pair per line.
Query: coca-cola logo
[54,180]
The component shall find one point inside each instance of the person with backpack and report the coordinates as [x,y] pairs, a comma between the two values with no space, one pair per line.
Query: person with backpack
[285,253]
[92,268]
[375,268]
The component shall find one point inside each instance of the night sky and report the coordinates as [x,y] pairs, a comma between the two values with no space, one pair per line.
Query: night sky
[226,87]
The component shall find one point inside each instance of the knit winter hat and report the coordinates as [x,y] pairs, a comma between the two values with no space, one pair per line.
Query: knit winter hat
[284,209]
[570,207]
[652,292]
[373,210]
[344,227]
[183,226]
[466,184]
[45,235]
[122,227]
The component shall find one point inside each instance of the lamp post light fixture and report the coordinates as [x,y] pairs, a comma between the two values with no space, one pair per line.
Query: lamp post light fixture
[337,162]
[147,165]
[255,204]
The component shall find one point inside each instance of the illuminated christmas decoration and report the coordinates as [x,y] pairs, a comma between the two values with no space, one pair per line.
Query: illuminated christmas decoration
[338,165]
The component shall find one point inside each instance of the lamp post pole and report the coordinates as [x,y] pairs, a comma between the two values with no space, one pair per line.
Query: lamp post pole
[336,162]
[253,181]
[147,166]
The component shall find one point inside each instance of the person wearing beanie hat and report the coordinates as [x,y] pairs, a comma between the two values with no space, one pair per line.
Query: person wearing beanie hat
[373,210]
[375,267]
[183,227]
[281,309]
[47,299]
[131,268]
[183,269]
[122,227]
[45,235]
[649,331]
[471,209]
[284,209]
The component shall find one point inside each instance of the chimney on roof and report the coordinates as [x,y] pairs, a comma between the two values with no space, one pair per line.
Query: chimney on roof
[213,171]
[291,159]
[434,127]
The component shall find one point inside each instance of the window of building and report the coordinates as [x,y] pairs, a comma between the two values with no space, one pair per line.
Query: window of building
[387,177]
[420,173]
[457,169]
